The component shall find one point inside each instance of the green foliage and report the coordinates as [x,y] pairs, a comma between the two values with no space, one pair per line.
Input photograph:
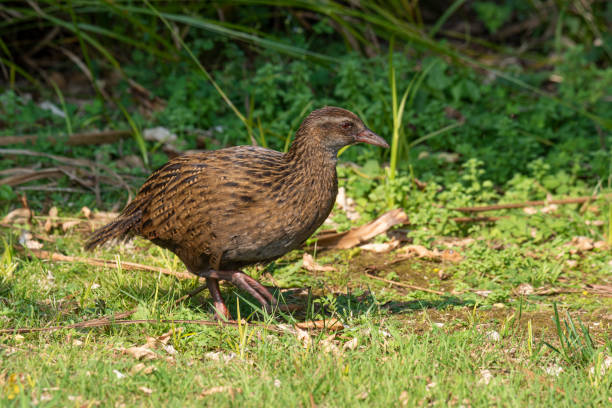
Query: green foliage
[576,345]
[492,14]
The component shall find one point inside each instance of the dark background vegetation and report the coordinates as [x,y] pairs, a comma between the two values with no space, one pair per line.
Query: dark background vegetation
[523,86]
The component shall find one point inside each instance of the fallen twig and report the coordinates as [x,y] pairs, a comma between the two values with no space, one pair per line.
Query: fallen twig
[477,219]
[107,322]
[102,321]
[359,235]
[406,285]
[54,256]
[75,139]
[494,207]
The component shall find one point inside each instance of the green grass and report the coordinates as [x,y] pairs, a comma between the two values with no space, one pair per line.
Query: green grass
[411,347]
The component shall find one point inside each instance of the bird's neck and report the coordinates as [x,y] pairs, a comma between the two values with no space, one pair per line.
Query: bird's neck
[312,164]
[309,152]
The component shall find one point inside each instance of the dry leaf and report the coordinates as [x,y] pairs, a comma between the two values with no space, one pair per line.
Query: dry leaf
[524,289]
[454,242]
[483,293]
[449,255]
[581,244]
[220,356]
[448,157]
[550,208]
[331,324]
[351,344]
[304,337]
[223,388]
[359,235]
[86,212]
[404,398]
[69,224]
[27,240]
[146,350]
[530,210]
[410,251]
[140,352]
[50,222]
[600,245]
[602,290]
[142,368]
[329,345]
[146,390]
[381,247]
[419,250]
[159,134]
[485,377]
[20,215]
[312,266]
[164,338]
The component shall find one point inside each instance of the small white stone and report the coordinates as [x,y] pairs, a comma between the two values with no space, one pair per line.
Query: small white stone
[553,370]
[493,335]
[119,374]
[605,366]
[485,377]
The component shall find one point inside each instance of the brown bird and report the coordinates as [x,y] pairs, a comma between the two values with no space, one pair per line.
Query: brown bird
[222,210]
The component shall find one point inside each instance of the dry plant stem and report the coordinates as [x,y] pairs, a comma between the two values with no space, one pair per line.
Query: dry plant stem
[406,285]
[75,139]
[190,294]
[107,322]
[103,321]
[72,162]
[360,235]
[54,256]
[576,200]
[477,219]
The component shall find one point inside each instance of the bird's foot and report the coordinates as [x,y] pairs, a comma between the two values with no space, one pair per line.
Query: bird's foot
[244,282]
[221,312]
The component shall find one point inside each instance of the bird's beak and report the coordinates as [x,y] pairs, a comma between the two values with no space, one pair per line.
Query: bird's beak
[367,136]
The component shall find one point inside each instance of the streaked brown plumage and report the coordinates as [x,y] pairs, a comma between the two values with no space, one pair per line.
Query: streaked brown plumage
[219,211]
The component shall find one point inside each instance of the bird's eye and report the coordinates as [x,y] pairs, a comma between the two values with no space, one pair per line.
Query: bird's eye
[347,125]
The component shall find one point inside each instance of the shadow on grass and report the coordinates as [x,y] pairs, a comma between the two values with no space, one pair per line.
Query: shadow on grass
[306,306]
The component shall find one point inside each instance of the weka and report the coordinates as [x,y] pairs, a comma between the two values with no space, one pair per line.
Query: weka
[219,211]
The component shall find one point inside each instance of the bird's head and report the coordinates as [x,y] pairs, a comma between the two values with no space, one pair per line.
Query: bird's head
[333,128]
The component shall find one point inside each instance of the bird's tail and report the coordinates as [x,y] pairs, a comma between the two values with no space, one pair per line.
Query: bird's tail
[120,229]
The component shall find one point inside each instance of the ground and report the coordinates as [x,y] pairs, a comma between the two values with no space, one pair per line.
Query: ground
[351,338]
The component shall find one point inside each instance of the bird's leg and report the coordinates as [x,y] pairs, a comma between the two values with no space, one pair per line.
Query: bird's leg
[259,287]
[246,283]
[218,303]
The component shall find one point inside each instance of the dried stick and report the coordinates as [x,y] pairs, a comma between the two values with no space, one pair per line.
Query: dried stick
[477,219]
[75,139]
[494,207]
[54,256]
